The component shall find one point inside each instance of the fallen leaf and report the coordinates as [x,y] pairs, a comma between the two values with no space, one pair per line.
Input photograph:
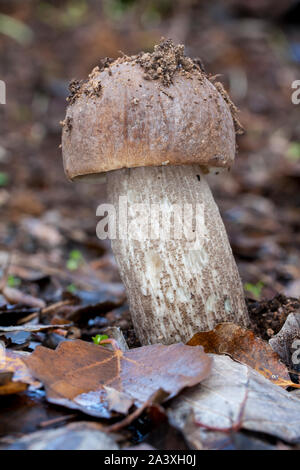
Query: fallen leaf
[93,303]
[16,339]
[242,345]
[26,202]
[234,397]
[153,403]
[45,233]
[202,439]
[14,374]
[75,436]
[32,328]
[15,296]
[77,371]
[287,342]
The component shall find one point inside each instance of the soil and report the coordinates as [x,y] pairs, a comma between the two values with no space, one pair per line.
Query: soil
[74,89]
[268,316]
[165,61]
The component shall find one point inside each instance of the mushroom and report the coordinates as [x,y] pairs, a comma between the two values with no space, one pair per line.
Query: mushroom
[155,124]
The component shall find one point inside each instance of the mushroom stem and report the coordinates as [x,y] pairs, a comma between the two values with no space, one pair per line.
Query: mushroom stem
[173,253]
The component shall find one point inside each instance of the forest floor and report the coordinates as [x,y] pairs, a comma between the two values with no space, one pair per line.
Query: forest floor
[54,269]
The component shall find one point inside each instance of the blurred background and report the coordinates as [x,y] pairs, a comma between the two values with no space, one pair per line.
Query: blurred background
[49,223]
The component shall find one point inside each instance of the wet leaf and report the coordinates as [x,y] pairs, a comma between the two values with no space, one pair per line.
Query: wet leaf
[242,345]
[234,397]
[82,370]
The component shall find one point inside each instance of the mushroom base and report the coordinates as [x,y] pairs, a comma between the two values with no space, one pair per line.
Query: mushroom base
[173,253]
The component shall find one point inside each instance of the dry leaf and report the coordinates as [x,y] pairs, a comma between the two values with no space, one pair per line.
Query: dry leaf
[45,233]
[15,296]
[234,397]
[287,342]
[75,436]
[242,345]
[33,328]
[14,375]
[76,372]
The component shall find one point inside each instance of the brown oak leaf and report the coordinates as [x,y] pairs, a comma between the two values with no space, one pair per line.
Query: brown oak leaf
[79,374]
[242,345]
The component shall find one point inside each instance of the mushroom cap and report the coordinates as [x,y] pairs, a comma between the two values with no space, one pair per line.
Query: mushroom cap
[120,119]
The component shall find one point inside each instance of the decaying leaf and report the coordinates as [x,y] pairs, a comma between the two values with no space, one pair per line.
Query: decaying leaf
[33,328]
[75,436]
[14,375]
[233,397]
[76,373]
[287,342]
[242,345]
[15,296]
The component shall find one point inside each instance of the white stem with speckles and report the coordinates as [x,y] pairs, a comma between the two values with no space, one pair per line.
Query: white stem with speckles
[175,286]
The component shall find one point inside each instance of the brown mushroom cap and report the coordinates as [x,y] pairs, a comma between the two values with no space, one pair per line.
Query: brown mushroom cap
[119,119]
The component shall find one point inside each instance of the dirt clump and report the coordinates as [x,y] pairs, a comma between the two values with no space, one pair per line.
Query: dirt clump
[74,89]
[165,61]
[67,124]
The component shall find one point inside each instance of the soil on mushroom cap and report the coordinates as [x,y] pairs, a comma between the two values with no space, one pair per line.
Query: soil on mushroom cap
[166,60]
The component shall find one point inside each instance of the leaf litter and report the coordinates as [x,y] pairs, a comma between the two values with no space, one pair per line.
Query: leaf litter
[14,375]
[82,371]
[75,436]
[235,397]
[243,346]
